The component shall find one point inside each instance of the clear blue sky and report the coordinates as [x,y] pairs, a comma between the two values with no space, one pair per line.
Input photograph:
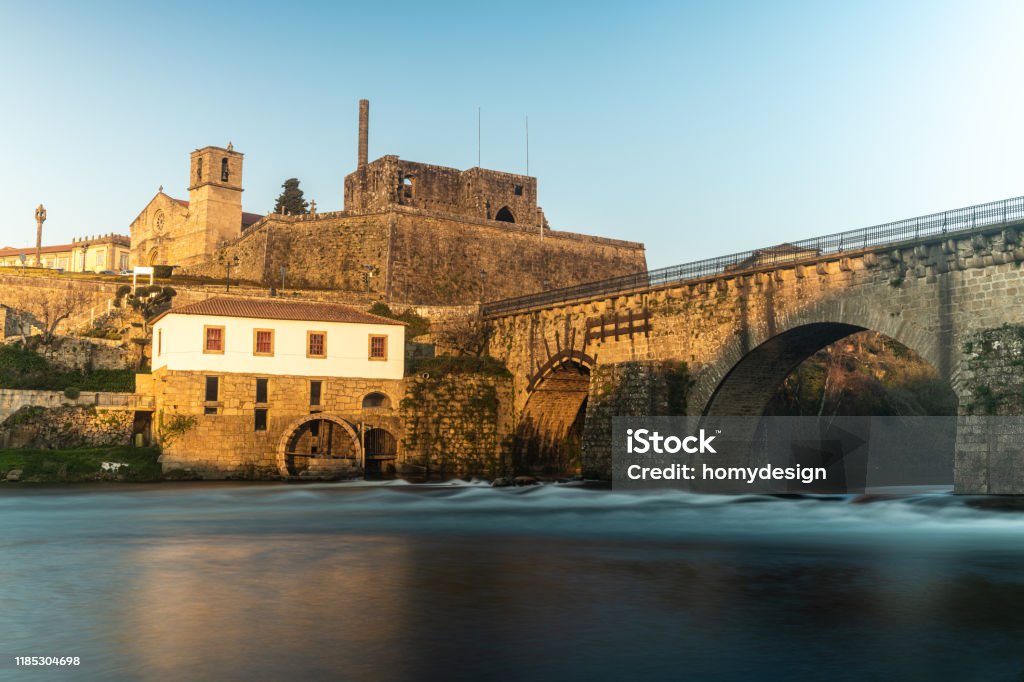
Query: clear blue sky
[698,128]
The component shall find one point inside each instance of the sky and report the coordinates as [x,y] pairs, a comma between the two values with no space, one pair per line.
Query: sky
[700,129]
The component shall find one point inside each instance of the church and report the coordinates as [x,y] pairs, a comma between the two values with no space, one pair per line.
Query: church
[410,232]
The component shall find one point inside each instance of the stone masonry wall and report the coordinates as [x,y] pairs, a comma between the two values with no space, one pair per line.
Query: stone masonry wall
[12,399]
[457,425]
[70,426]
[419,257]
[227,444]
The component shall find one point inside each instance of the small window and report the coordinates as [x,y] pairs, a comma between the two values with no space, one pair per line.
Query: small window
[316,344]
[212,389]
[159,341]
[315,389]
[263,342]
[213,339]
[210,409]
[224,169]
[519,190]
[261,390]
[199,170]
[378,347]
[260,419]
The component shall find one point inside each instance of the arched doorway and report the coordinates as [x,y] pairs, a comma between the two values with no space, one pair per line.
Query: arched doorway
[550,434]
[319,445]
[504,214]
[381,450]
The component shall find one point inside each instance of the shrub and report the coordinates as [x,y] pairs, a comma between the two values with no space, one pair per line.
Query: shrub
[72,393]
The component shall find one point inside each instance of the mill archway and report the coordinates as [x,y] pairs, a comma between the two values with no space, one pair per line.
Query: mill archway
[550,433]
[318,444]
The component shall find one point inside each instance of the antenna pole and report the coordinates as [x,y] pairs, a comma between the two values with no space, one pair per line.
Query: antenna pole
[478,137]
[527,145]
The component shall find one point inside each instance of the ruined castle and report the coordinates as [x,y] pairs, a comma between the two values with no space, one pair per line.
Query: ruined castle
[409,233]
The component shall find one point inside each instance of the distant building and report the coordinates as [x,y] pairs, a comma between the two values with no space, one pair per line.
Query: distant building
[87,254]
[243,385]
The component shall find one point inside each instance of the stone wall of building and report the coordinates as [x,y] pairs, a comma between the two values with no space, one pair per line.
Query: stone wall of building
[227,444]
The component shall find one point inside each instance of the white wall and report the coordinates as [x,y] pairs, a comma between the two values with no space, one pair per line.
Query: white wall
[181,347]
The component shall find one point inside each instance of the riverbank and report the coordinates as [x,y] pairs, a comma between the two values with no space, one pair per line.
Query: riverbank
[75,465]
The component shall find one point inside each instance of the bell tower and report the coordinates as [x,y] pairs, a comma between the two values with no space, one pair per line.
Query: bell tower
[215,194]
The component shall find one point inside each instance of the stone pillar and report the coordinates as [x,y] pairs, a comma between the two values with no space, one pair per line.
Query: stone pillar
[364,132]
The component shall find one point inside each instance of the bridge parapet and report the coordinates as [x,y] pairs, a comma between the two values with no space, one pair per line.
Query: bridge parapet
[952,224]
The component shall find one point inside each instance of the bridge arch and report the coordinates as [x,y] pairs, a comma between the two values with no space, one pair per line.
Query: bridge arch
[749,369]
[550,431]
[296,435]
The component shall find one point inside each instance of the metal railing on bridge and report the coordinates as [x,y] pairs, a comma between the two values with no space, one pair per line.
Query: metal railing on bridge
[982,216]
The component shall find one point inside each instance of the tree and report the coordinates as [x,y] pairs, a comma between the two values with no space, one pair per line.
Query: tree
[50,308]
[291,200]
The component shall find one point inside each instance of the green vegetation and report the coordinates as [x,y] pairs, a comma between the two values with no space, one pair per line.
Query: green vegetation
[22,367]
[173,427]
[81,464]
[444,365]
[864,374]
[291,200]
[148,301]
[417,325]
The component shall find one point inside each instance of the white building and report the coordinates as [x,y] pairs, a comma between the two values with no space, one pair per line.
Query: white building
[278,337]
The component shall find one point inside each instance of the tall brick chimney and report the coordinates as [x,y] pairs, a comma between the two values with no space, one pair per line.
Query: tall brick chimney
[364,131]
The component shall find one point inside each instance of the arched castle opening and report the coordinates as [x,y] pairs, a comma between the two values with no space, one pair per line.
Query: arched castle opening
[320,445]
[550,432]
[505,215]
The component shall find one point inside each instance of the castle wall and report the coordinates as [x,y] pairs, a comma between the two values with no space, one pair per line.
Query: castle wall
[420,257]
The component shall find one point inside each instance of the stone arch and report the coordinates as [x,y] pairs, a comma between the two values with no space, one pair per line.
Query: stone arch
[505,215]
[550,432]
[290,431]
[380,451]
[756,361]
[154,256]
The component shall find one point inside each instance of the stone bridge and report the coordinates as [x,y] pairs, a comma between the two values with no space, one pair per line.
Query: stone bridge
[717,337]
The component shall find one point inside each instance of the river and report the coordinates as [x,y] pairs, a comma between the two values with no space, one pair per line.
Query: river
[403,582]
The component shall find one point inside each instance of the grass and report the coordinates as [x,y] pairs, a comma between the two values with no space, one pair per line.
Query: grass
[80,464]
[24,368]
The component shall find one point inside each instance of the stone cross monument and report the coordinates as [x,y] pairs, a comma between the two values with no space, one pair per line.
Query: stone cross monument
[40,219]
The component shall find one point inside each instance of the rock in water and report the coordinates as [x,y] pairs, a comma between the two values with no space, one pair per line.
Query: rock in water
[14,475]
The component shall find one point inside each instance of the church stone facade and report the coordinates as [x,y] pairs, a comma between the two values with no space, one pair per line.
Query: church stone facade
[182,232]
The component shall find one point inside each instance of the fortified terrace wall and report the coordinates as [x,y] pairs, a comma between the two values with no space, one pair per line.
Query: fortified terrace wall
[417,256]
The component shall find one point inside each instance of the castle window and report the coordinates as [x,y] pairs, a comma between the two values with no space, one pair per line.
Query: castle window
[505,215]
[316,344]
[315,391]
[263,342]
[213,339]
[199,170]
[519,190]
[224,169]
[260,419]
[378,347]
[261,391]
[407,187]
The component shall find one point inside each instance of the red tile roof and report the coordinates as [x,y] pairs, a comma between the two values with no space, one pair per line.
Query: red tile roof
[119,240]
[277,309]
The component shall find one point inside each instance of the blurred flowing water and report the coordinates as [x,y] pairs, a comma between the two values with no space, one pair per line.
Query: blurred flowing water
[402,582]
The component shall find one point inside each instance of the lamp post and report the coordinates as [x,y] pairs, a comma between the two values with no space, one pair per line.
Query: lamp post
[228,262]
